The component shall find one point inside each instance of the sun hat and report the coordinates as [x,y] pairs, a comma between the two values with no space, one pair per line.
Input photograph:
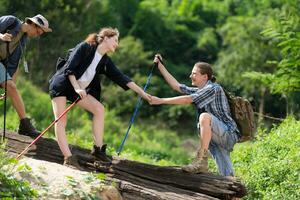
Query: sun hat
[40,21]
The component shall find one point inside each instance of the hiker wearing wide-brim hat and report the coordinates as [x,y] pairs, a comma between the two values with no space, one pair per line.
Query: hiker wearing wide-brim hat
[13,37]
[40,21]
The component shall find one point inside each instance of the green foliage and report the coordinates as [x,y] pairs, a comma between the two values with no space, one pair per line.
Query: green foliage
[252,44]
[270,166]
[10,187]
[240,34]
[131,57]
[226,33]
[73,190]
[286,78]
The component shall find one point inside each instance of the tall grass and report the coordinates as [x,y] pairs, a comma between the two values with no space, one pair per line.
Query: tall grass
[270,166]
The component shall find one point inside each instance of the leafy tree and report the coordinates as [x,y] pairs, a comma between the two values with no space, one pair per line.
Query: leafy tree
[244,50]
[286,79]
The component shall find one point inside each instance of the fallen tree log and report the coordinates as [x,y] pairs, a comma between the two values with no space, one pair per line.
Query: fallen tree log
[136,180]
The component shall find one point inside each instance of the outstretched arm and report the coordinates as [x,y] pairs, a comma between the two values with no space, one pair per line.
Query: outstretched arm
[167,76]
[139,90]
[185,99]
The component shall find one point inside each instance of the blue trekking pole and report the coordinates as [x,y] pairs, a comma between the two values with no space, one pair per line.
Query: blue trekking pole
[136,109]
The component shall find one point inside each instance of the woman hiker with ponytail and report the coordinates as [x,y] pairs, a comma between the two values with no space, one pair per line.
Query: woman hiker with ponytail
[80,74]
[217,130]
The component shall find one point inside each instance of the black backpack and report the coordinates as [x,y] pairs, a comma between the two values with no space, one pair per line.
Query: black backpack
[61,61]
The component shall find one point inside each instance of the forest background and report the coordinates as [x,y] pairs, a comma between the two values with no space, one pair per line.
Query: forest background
[253,46]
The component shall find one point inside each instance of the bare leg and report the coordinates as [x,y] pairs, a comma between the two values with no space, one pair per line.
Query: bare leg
[97,109]
[200,164]
[59,106]
[16,98]
[205,130]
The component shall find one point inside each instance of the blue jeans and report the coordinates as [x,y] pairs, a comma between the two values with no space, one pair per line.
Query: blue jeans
[221,145]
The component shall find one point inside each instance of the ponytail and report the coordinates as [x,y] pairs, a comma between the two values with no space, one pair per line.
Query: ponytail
[205,68]
[213,79]
[91,39]
[95,39]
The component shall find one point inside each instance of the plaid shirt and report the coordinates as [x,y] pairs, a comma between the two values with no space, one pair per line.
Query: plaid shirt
[212,99]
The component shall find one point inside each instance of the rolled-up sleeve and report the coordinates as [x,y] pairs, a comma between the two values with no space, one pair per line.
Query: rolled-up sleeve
[114,74]
[187,90]
[201,97]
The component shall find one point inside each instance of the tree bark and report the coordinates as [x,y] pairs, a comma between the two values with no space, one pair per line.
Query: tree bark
[136,180]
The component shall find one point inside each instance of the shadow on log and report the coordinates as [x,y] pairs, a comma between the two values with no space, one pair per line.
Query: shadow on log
[136,180]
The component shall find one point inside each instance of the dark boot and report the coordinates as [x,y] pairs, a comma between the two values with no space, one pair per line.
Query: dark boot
[26,128]
[100,153]
[72,162]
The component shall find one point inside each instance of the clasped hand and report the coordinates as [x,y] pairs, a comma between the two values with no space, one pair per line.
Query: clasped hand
[82,93]
[152,100]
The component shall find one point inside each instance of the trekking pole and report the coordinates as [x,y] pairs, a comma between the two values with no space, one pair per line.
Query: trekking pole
[55,121]
[5,91]
[136,109]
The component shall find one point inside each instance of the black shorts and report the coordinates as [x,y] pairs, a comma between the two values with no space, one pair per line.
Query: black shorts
[61,86]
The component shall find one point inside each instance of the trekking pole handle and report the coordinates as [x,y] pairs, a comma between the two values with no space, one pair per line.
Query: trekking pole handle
[159,58]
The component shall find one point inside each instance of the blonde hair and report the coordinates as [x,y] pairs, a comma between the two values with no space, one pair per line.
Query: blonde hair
[94,38]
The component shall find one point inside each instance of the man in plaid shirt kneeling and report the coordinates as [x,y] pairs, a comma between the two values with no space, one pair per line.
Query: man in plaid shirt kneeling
[218,132]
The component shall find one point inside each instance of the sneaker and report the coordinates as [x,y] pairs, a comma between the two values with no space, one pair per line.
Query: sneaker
[26,128]
[72,162]
[100,153]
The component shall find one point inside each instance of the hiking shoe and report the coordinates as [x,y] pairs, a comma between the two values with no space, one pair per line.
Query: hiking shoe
[200,163]
[100,153]
[72,162]
[26,128]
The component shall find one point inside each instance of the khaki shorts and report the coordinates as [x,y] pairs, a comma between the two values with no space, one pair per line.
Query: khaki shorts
[2,73]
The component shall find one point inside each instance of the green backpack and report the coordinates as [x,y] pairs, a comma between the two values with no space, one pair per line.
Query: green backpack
[242,113]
